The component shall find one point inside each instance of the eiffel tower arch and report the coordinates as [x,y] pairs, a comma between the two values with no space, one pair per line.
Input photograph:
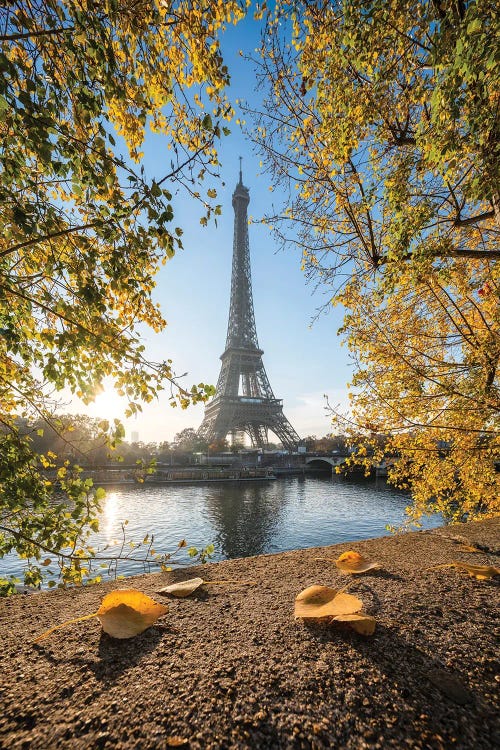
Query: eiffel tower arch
[244,400]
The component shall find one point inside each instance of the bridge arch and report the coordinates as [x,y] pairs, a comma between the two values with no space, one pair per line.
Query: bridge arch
[323,463]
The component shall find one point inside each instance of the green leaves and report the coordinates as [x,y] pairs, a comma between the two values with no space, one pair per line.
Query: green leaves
[109,222]
[84,230]
[4,106]
[155,189]
[36,526]
[474,26]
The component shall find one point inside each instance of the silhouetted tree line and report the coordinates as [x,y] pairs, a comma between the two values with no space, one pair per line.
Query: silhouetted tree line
[80,439]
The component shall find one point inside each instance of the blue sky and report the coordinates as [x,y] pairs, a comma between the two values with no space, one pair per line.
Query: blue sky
[303,362]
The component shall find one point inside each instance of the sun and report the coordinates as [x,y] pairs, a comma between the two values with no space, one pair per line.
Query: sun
[107,404]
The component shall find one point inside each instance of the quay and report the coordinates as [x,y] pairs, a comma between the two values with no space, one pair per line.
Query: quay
[224,467]
[229,668]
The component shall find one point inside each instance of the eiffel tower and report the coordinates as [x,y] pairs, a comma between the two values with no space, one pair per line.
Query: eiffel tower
[244,400]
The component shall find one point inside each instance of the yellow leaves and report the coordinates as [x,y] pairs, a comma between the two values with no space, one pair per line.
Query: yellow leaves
[427,359]
[259,11]
[479,572]
[322,603]
[421,378]
[185,51]
[126,613]
[319,603]
[361,623]
[46,460]
[122,614]
[353,563]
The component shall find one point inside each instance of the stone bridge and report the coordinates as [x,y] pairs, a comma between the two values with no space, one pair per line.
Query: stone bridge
[323,462]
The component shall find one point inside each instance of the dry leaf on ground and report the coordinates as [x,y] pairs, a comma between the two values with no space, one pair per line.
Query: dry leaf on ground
[468,548]
[480,572]
[122,614]
[183,588]
[177,741]
[128,612]
[322,602]
[361,623]
[353,563]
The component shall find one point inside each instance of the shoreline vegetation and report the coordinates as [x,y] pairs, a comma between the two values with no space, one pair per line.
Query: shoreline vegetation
[229,667]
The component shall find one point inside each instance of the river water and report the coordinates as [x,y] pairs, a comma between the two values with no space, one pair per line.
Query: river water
[246,518]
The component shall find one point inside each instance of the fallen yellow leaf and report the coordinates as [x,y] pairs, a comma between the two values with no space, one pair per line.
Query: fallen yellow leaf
[322,602]
[177,741]
[353,563]
[128,612]
[361,623]
[122,614]
[468,548]
[481,572]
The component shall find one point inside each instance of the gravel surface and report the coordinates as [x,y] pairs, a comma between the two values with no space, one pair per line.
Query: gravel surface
[230,668]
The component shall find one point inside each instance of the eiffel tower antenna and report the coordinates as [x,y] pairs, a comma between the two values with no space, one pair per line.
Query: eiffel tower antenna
[244,400]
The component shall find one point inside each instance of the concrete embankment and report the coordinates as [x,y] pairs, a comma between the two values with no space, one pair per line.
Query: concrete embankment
[229,667]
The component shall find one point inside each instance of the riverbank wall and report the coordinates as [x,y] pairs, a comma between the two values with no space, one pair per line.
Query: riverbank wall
[229,667]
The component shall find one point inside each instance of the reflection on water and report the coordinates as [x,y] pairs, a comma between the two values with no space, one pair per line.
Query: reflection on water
[246,521]
[243,519]
[110,517]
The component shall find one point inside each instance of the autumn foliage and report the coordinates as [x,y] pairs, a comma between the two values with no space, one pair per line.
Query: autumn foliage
[381,120]
[84,228]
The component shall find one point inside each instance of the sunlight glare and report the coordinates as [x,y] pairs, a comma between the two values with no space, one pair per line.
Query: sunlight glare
[110,517]
[107,405]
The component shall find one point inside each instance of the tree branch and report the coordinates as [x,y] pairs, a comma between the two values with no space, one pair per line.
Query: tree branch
[61,233]
[30,34]
[473,219]
[102,222]
[471,254]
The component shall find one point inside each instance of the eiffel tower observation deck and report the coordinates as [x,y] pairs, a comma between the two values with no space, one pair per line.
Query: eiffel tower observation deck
[244,400]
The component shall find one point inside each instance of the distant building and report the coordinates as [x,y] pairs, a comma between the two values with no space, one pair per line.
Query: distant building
[134,436]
